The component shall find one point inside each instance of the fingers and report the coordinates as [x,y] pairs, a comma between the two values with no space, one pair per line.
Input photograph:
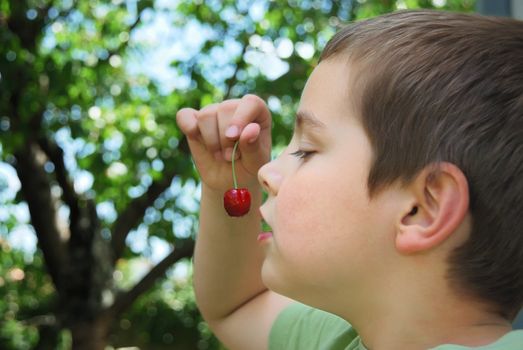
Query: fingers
[255,149]
[250,135]
[188,122]
[251,109]
[248,117]
[251,124]
[226,110]
[201,129]
[208,126]
[218,126]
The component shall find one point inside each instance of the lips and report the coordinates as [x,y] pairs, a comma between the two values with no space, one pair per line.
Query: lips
[263,236]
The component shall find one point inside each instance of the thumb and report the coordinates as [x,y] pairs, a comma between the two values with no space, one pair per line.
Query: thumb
[255,147]
[251,109]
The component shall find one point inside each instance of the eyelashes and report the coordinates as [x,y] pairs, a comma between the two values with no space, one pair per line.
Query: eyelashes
[301,154]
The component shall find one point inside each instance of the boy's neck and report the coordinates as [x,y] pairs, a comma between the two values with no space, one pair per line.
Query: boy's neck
[426,321]
[418,306]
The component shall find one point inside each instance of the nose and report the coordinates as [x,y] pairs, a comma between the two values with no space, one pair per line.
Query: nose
[270,178]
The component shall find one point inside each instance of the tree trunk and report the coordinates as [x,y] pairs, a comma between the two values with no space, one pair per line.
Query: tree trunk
[90,335]
[47,337]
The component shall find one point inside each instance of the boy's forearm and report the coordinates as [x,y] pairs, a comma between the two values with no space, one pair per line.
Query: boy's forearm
[227,258]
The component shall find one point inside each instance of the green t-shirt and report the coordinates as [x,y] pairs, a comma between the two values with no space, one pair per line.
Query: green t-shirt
[300,327]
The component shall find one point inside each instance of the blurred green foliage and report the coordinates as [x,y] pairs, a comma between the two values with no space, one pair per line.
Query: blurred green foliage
[66,74]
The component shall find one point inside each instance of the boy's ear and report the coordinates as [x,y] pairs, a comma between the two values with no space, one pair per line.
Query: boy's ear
[439,203]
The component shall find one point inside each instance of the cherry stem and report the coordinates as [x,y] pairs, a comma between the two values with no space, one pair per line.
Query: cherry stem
[233,172]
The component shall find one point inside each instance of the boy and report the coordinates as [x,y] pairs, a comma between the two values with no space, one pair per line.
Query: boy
[397,207]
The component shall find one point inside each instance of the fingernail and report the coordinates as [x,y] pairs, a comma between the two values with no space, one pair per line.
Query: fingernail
[232,131]
[252,140]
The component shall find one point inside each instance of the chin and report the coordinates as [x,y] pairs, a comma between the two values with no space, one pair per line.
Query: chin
[275,281]
[284,285]
[268,276]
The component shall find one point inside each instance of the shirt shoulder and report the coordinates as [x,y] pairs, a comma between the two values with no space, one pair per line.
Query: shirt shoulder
[302,327]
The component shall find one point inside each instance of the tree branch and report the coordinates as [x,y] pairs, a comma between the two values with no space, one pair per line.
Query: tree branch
[133,214]
[36,190]
[123,45]
[41,320]
[183,249]
[56,155]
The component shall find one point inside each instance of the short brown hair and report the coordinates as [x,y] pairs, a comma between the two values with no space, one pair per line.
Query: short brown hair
[437,86]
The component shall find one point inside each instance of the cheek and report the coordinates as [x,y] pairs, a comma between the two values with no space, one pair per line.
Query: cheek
[319,216]
[301,211]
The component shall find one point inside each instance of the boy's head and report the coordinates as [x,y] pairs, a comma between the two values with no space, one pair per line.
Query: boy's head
[434,87]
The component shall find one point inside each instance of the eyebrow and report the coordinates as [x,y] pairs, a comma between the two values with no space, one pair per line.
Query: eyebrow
[306,119]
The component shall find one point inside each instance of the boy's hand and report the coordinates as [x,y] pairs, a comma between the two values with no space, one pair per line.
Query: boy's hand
[212,132]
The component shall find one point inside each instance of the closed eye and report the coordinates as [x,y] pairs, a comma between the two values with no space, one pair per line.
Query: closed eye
[302,154]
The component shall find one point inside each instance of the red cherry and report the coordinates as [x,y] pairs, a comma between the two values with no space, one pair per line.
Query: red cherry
[237,201]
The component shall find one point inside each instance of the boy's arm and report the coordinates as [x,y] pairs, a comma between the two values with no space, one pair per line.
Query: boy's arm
[229,290]
[227,260]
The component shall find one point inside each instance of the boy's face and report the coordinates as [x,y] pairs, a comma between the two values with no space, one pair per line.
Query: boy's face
[328,236]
